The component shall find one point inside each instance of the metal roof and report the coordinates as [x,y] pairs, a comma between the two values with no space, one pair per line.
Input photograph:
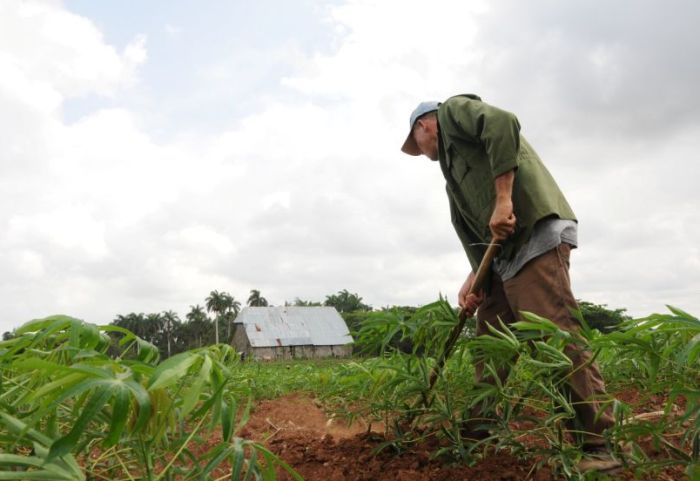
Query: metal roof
[294,326]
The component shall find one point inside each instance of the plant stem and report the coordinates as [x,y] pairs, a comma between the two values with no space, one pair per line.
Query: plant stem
[184,444]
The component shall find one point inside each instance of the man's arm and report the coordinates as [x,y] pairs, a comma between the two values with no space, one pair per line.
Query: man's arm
[502,223]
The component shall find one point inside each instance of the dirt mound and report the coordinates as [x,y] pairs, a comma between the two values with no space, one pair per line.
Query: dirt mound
[326,449]
[321,449]
[329,459]
[297,414]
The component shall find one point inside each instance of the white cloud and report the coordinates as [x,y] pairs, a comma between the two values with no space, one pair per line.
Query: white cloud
[172,29]
[65,52]
[394,49]
[66,227]
[135,53]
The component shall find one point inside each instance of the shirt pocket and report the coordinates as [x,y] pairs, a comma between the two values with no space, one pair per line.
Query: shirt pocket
[459,167]
[478,190]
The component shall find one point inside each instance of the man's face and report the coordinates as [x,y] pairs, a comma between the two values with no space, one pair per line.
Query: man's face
[425,134]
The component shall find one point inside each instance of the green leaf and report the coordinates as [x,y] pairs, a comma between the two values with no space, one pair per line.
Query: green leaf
[17,460]
[557,358]
[192,394]
[273,460]
[50,471]
[143,401]
[65,444]
[120,414]
[690,354]
[40,324]
[238,459]
[245,416]
[504,333]
[147,352]
[172,370]
[22,429]
[217,455]
[80,388]
[228,418]
[682,314]
[42,475]
[60,383]
[534,322]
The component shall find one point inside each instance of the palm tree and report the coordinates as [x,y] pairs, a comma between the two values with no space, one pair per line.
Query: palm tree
[235,307]
[198,327]
[196,314]
[220,303]
[170,323]
[256,300]
[153,326]
[213,303]
[303,303]
[135,323]
[345,301]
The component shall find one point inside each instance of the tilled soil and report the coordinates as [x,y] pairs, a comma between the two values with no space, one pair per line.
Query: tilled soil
[322,449]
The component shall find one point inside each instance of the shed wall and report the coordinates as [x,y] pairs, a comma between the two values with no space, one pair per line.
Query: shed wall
[298,352]
[240,340]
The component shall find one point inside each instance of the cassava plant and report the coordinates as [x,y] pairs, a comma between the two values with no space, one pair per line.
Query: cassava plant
[70,410]
[527,410]
[659,355]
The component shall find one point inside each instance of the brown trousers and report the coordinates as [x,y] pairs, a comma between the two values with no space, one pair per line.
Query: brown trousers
[543,287]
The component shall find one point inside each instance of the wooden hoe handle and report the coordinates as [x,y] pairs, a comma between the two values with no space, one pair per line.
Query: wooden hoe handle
[477,285]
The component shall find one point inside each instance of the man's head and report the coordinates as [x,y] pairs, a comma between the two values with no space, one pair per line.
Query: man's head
[423,136]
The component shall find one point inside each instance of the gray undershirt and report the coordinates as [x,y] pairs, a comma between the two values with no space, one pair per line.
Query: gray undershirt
[546,235]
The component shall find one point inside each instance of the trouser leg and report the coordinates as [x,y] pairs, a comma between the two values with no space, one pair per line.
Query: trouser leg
[543,287]
[493,310]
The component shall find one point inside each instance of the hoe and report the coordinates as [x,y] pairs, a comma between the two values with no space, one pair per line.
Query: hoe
[457,330]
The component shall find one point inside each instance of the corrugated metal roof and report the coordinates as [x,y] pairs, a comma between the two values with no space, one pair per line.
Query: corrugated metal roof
[294,326]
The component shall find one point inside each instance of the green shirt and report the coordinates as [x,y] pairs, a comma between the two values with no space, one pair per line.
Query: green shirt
[477,143]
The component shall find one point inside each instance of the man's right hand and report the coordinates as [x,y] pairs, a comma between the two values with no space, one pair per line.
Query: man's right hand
[469,302]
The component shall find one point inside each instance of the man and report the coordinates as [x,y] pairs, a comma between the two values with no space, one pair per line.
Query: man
[499,188]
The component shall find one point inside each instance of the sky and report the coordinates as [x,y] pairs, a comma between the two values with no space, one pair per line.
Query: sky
[151,152]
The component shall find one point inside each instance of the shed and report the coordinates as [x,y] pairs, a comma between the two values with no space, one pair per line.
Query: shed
[287,332]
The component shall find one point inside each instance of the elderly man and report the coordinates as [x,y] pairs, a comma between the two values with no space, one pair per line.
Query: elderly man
[499,188]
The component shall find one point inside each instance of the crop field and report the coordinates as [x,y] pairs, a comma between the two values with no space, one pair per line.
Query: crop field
[79,402]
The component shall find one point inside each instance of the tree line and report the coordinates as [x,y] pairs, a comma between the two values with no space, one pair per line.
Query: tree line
[213,322]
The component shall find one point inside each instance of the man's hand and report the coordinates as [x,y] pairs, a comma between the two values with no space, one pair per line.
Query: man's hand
[502,223]
[469,302]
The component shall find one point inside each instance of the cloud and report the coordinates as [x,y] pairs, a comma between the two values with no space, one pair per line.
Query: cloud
[52,225]
[592,67]
[172,29]
[51,49]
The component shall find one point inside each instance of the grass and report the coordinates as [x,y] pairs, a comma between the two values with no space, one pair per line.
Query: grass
[272,379]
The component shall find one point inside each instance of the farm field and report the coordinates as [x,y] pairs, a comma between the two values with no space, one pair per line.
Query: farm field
[320,447]
[86,402]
